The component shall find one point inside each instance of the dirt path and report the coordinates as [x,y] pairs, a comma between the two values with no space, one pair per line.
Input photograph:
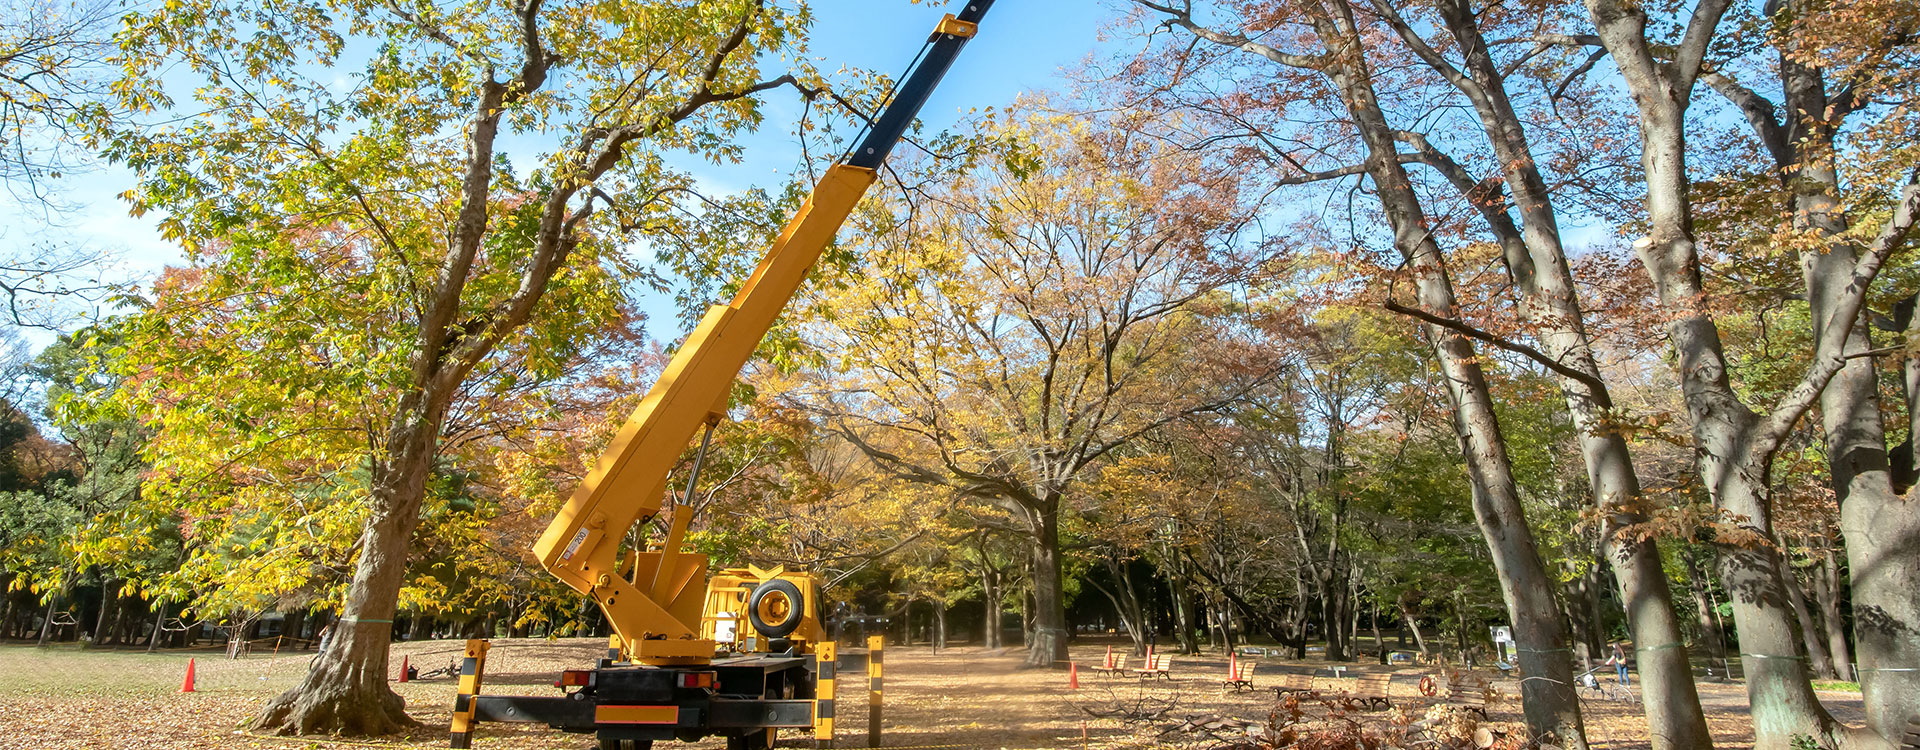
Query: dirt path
[960,698]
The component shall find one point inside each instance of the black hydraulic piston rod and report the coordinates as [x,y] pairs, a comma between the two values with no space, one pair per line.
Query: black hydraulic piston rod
[893,121]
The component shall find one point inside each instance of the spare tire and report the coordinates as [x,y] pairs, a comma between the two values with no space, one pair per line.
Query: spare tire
[765,608]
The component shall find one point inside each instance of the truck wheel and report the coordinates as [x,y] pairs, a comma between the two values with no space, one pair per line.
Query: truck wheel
[607,744]
[761,740]
[775,609]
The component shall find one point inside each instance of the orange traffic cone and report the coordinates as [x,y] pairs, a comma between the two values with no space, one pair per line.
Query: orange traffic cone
[1073,675]
[187,687]
[403,668]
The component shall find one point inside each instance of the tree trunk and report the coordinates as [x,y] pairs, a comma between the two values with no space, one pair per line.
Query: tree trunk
[1183,615]
[1413,624]
[1550,705]
[102,620]
[939,624]
[1707,613]
[346,690]
[1125,598]
[1537,261]
[1731,464]
[1048,645]
[1881,526]
[46,621]
[1816,650]
[159,621]
[1827,593]
[990,606]
[1373,621]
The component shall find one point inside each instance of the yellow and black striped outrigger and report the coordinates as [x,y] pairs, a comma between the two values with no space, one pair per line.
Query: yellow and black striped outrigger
[472,669]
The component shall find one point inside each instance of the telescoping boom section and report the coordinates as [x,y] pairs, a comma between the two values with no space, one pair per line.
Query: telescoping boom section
[654,600]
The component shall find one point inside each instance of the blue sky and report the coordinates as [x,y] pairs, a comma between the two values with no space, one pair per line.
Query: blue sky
[1023,45]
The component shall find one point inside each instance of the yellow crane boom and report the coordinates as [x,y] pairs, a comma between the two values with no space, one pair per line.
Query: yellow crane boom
[661,613]
[654,607]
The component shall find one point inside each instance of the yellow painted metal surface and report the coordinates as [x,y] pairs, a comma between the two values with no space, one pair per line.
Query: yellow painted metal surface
[876,653]
[473,670]
[956,27]
[828,654]
[629,481]
[727,595]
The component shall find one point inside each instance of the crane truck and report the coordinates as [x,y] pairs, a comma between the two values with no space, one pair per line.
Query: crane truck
[743,655]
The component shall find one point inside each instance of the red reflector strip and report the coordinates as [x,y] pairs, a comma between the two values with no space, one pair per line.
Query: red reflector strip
[636,714]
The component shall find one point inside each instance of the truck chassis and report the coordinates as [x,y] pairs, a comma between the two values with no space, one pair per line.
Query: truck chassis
[746,699]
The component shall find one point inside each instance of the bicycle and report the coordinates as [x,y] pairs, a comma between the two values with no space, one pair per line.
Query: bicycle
[1599,688]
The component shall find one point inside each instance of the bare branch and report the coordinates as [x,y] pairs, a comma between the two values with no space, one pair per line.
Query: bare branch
[1183,17]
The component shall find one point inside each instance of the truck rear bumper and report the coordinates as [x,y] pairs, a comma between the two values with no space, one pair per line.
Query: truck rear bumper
[572,715]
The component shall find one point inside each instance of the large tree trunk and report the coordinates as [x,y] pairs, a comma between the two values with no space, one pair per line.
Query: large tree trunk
[1537,261]
[346,689]
[1550,705]
[1732,465]
[1047,646]
[1183,615]
[1881,527]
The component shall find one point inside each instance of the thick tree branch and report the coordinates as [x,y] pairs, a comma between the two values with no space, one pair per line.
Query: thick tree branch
[1690,56]
[1831,356]
[1761,113]
[1426,52]
[1596,388]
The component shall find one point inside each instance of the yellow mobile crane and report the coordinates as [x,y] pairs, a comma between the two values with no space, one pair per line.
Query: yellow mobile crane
[661,679]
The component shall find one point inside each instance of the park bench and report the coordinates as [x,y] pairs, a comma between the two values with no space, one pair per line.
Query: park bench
[1469,694]
[1371,691]
[1294,682]
[1912,741]
[1114,664]
[1157,665]
[1239,675]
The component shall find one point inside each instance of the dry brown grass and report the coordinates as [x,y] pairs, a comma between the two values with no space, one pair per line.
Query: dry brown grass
[960,698]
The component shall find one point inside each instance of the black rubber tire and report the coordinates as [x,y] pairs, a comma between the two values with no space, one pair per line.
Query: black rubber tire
[794,614]
[626,745]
